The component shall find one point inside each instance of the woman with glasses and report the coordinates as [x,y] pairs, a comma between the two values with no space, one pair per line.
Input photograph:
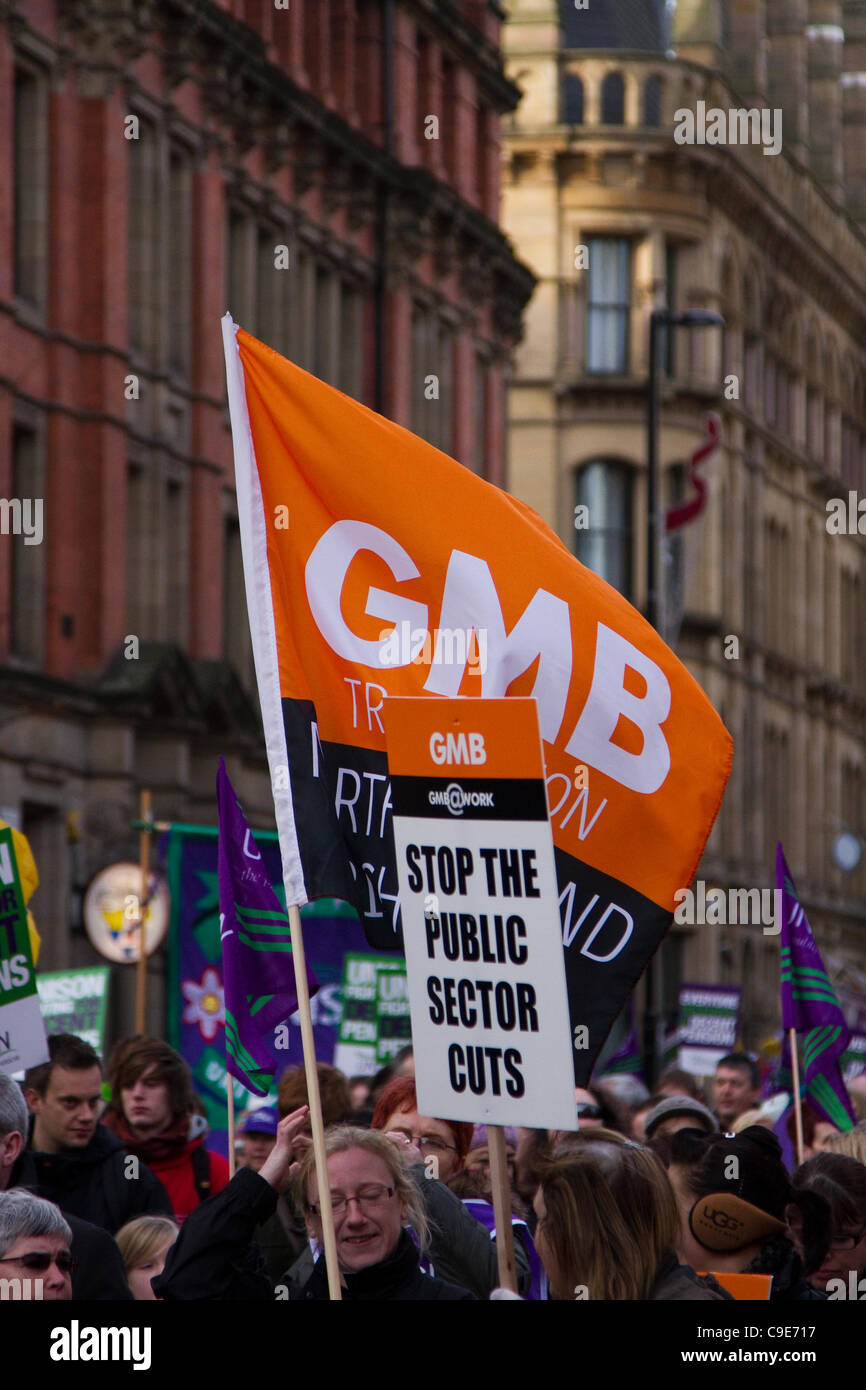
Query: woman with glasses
[35,1260]
[841,1181]
[372,1198]
[446,1142]
[461,1248]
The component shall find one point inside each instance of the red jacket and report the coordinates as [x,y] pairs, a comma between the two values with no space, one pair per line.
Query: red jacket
[169,1156]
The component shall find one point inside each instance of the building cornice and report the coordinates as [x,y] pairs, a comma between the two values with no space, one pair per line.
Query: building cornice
[729,185]
[472,46]
[249,101]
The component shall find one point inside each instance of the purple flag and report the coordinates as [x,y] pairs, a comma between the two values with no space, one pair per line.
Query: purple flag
[810,1007]
[258,968]
[627,1057]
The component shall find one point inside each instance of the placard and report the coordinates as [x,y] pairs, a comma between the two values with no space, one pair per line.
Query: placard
[376,1022]
[481,925]
[74,1001]
[22,1031]
[708,1026]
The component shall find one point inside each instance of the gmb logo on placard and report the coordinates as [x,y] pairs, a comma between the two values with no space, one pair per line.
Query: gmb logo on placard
[455,798]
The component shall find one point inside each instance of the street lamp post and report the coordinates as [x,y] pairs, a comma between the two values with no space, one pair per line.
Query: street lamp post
[659,319]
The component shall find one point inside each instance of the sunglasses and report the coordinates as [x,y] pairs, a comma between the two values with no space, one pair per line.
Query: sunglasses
[39,1261]
[588,1112]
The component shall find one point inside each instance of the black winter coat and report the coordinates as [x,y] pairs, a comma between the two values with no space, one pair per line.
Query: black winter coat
[676,1283]
[778,1257]
[216,1257]
[396,1279]
[461,1249]
[99,1275]
[92,1183]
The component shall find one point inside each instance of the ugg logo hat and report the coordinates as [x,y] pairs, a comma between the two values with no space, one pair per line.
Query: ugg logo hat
[724,1222]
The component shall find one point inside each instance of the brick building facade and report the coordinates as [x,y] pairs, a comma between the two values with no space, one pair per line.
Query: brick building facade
[328,171]
[616,217]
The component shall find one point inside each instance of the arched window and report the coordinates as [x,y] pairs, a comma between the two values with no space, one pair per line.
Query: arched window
[572,100]
[613,99]
[603,532]
[652,102]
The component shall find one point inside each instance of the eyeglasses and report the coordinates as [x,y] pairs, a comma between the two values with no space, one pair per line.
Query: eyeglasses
[433,1145]
[586,1111]
[849,1242]
[431,1142]
[376,1195]
[39,1261]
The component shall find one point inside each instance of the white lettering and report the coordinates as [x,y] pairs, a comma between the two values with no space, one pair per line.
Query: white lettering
[608,699]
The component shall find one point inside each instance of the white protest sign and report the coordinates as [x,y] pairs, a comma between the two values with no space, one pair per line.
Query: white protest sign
[481,925]
[22,1031]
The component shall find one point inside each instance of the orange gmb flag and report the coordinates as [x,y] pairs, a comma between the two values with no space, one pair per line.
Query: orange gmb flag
[376,566]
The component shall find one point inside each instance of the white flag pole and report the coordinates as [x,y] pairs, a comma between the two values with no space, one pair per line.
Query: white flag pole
[253,529]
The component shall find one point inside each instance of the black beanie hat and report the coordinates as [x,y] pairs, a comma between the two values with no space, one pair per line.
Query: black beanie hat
[747,1199]
[759,1178]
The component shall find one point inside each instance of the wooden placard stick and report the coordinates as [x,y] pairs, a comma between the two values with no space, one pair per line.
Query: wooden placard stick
[302,990]
[501,1186]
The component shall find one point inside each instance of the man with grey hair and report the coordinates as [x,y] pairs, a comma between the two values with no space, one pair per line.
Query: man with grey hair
[98,1271]
[35,1256]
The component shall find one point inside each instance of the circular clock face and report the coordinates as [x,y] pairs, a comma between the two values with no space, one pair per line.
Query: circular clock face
[847,850]
[112,913]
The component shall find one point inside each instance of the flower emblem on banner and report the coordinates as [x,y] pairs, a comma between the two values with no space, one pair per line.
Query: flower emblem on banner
[205,1004]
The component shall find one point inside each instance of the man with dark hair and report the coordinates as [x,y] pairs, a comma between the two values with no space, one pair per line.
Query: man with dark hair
[152,1110]
[736,1087]
[74,1160]
[98,1271]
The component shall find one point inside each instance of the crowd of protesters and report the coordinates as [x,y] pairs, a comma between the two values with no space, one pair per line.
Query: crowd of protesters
[669,1196]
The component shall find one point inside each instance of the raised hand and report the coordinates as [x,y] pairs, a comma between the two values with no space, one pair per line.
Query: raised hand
[277,1167]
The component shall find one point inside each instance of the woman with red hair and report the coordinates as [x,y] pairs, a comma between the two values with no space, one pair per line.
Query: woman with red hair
[445,1141]
[461,1249]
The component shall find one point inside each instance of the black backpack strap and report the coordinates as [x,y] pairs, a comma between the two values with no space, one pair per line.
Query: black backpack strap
[201,1172]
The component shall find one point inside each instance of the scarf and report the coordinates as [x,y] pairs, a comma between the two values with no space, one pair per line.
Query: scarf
[156,1148]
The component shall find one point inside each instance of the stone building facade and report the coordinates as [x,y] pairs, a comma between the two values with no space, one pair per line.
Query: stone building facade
[329,171]
[616,217]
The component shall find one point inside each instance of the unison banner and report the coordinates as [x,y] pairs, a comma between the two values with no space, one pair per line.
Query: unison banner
[375,566]
[75,1001]
[196,1012]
